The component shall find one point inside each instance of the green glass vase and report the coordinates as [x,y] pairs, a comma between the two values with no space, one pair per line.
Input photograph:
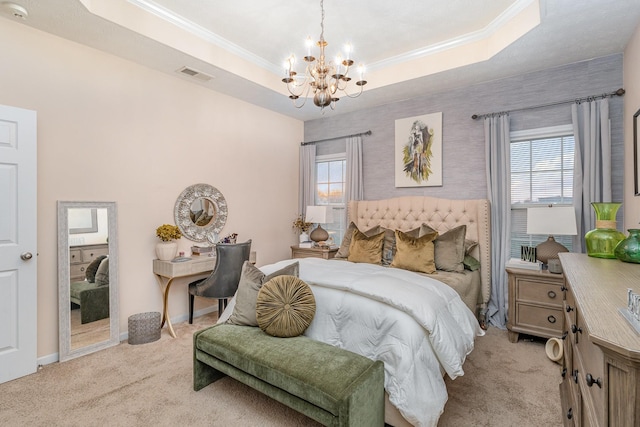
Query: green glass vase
[602,241]
[628,250]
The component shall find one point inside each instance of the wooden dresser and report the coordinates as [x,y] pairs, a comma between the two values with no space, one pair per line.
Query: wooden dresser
[601,385]
[81,256]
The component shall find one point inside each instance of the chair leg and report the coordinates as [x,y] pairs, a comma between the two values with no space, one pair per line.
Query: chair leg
[191,300]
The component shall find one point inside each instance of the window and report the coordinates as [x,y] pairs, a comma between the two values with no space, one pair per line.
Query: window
[541,174]
[330,190]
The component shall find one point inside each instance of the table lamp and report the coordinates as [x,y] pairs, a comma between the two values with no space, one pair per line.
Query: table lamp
[319,215]
[551,220]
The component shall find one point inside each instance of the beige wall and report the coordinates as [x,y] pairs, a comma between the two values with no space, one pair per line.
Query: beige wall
[111,130]
[631,204]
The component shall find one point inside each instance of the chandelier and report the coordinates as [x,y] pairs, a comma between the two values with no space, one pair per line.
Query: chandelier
[325,79]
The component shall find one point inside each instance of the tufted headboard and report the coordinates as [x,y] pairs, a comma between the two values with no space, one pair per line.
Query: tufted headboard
[406,213]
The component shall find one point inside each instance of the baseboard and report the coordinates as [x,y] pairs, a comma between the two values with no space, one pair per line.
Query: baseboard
[48,359]
[124,336]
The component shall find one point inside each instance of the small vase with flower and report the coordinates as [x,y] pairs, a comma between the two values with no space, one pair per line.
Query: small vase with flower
[167,248]
[302,227]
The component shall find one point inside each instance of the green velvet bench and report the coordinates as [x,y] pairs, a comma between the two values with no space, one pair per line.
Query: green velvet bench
[330,385]
[93,300]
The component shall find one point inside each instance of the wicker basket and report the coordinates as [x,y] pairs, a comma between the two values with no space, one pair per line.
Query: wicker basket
[144,328]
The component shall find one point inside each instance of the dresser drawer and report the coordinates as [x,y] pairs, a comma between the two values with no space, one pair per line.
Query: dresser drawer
[591,366]
[78,271]
[90,254]
[570,306]
[539,292]
[75,255]
[542,318]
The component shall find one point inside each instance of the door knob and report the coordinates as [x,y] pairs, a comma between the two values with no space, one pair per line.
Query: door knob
[26,256]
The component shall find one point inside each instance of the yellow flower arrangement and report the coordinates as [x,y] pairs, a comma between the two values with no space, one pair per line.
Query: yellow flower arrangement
[168,232]
[300,225]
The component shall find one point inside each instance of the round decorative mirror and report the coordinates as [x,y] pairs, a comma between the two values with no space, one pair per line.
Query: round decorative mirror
[201,213]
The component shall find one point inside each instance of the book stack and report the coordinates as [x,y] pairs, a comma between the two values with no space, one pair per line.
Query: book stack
[527,265]
[305,245]
[201,250]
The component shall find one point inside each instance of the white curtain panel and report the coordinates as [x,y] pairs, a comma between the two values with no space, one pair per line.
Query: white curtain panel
[354,184]
[592,164]
[498,169]
[307,190]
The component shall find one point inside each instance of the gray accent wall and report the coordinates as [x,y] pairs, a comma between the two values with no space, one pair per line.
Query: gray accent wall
[463,138]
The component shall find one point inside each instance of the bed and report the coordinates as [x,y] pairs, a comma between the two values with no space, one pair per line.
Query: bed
[407,213]
[420,327]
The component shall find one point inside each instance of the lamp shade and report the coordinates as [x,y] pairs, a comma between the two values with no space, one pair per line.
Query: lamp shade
[319,214]
[552,220]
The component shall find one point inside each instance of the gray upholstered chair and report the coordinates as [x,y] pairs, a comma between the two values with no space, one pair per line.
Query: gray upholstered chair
[224,279]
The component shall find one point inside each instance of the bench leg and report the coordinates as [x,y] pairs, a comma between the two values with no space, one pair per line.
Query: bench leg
[203,375]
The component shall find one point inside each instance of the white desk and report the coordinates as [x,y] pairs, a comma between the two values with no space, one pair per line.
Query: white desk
[166,271]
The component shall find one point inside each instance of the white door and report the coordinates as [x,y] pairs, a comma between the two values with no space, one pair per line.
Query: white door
[18,239]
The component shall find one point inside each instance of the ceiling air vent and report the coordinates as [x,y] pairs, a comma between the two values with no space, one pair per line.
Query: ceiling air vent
[195,74]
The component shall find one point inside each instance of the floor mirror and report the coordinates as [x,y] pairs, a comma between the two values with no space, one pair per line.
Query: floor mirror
[88,309]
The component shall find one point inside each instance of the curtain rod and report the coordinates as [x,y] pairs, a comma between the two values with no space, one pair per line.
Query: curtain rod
[618,92]
[336,137]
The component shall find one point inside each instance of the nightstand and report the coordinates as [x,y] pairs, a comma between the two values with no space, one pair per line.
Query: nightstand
[326,253]
[535,303]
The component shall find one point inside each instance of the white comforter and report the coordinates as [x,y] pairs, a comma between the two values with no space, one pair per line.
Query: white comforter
[416,325]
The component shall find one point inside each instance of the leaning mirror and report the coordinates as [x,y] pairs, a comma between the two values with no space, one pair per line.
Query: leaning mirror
[200,213]
[88,310]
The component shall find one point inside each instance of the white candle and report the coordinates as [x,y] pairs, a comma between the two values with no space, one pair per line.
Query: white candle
[347,50]
[309,43]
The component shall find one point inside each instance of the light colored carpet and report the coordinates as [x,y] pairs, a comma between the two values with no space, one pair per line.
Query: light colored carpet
[150,384]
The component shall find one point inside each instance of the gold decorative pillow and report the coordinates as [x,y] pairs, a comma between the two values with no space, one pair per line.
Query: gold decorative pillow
[415,253]
[343,252]
[389,250]
[366,249]
[285,307]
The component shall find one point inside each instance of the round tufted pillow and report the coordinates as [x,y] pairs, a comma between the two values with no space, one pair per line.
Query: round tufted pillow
[285,306]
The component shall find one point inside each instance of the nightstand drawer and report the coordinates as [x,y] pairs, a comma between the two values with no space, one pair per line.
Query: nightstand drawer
[541,318]
[301,254]
[539,292]
[316,252]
